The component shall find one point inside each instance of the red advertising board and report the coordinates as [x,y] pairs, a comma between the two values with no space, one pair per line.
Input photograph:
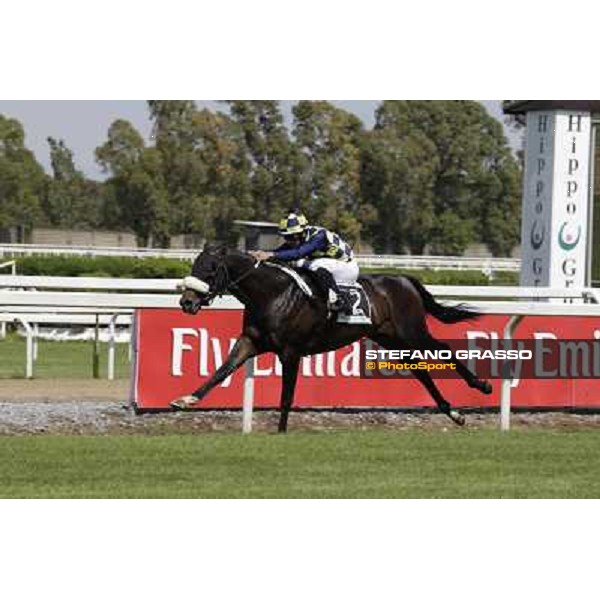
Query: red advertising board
[175,353]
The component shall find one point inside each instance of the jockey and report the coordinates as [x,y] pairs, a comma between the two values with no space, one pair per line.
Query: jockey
[321,251]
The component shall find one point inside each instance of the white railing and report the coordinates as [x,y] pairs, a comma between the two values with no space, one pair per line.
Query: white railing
[32,320]
[12,264]
[487,265]
[35,300]
[38,295]
[14,250]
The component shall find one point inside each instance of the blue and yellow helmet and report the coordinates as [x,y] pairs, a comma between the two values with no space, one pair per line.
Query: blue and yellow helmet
[294,223]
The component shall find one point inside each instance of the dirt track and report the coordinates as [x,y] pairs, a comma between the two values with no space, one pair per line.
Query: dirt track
[100,407]
[52,390]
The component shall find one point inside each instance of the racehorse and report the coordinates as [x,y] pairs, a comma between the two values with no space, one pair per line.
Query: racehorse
[279,317]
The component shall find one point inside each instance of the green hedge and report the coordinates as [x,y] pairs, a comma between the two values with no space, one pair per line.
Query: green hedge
[103,266]
[431,277]
[168,268]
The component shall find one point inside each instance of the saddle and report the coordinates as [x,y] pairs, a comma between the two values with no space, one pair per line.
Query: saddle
[354,294]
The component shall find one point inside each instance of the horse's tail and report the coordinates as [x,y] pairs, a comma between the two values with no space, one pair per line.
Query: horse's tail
[445,314]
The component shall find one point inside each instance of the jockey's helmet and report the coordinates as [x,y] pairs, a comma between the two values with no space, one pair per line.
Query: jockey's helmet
[293,224]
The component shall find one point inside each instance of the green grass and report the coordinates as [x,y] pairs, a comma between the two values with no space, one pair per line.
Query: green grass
[371,464]
[58,359]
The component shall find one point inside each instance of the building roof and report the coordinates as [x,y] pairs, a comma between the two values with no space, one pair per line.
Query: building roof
[517,107]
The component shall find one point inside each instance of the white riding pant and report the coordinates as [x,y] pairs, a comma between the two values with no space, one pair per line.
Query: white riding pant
[342,271]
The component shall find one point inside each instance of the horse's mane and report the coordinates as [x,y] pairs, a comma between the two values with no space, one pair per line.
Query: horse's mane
[222,249]
[216,247]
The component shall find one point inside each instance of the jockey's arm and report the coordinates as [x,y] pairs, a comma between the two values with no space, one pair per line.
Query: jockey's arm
[319,242]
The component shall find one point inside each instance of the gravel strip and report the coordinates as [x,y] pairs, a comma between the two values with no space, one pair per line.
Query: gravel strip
[109,417]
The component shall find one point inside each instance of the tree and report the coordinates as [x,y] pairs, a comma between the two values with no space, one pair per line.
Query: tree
[122,150]
[397,178]
[221,192]
[119,157]
[173,133]
[329,142]
[137,188]
[71,200]
[517,123]
[450,234]
[22,179]
[146,204]
[271,156]
[204,166]
[472,173]
[193,180]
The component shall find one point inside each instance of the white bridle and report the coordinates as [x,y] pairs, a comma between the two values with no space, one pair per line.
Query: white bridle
[193,283]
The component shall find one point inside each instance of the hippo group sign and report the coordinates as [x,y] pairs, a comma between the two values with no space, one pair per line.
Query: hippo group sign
[554,235]
[175,353]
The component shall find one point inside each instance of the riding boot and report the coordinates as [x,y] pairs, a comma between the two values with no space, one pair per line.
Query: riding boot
[335,301]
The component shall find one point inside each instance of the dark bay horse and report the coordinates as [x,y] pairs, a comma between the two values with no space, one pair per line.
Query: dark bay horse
[279,317]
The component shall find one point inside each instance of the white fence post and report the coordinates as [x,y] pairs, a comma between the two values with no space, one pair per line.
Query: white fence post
[13,269]
[506,376]
[111,347]
[36,333]
[248,401]
[29,360]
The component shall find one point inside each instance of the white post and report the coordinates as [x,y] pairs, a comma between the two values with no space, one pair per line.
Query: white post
[111,347]
[36,332]
[3,330]
[131,340]
[506,378]
[29,363]
[248,401]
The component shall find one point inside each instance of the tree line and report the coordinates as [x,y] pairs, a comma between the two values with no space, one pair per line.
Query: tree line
[435,174]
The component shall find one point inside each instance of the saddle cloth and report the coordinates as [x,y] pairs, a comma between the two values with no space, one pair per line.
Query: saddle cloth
[356,297]
[360,307]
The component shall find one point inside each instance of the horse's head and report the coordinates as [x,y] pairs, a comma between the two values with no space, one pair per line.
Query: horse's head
[200,287]
[213,272]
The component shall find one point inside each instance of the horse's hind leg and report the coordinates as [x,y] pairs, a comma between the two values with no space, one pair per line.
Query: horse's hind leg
[442,403]
[425,379]
[410,328]
[430,343]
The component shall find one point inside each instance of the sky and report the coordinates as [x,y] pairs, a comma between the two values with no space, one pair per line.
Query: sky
[83,124]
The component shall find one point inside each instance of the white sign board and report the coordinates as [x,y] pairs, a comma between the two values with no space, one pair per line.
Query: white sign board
[554,232]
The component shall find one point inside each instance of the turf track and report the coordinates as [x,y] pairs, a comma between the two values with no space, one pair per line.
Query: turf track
[368,464]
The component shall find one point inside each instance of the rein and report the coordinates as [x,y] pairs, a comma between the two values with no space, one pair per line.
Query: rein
[223,281]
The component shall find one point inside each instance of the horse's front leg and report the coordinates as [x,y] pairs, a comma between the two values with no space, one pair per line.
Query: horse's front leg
[290,366]
[243,349]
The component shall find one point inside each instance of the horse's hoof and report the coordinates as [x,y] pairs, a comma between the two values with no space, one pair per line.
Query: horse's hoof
[457,417]
[485,387]
[183,403]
